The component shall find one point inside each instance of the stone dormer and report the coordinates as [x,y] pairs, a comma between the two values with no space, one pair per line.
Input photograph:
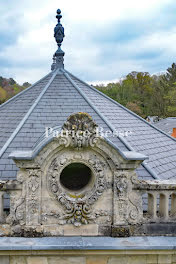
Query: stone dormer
[75,162]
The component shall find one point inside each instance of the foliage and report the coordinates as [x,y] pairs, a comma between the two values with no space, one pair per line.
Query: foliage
[144,94]
[3,95]
[26,84]
[9,87]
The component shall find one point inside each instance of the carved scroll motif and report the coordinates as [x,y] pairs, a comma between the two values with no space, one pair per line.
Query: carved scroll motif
[77,211]
[17,205]
[17,211]
[127,198]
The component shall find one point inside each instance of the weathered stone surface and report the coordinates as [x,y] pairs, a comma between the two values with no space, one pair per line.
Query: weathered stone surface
[120,231]
[18,260]
[127,258]
[4,230]
[37,260]
[97,260]
[137,259]
[164,259]
[119,259]
[84,230]
[5,260]
[105,230]
[109,203]
[44,201]
[66,260]
[152,259]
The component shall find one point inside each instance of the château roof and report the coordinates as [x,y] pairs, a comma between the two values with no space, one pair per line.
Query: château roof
[49,102]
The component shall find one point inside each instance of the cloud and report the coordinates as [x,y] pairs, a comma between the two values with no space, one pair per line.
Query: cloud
[103,41]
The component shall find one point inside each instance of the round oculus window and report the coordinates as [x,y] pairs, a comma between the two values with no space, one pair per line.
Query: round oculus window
[75,176]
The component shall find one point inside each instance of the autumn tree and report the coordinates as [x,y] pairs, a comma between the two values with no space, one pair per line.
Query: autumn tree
[3,95]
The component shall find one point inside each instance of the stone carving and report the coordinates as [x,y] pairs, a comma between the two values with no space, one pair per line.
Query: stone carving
[134,212]
[17,204]
[45,216]
[20,210]
[121,188]
[34,180]
[17,211]
[33,204]
[33,196]
[126,197]
[121,185]
[79,131]
[77,210]
[75,213]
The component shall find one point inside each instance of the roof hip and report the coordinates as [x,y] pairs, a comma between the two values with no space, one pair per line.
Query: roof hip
[123,107]
[24,91]
[3,149]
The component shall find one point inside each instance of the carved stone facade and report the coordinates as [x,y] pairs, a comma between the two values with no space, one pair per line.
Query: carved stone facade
[42,205]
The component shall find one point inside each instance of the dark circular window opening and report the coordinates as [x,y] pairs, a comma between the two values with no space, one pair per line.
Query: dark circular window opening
[75,176]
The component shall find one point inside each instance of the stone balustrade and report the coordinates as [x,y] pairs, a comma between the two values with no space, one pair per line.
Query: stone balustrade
[159,200]
[10,187]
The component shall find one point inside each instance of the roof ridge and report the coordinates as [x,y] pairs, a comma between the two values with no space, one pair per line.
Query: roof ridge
[27,89]
[66,74]
[123,107]
[15,132]
[88,100]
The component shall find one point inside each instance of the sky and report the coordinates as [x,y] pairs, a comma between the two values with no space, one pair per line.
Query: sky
[104,40]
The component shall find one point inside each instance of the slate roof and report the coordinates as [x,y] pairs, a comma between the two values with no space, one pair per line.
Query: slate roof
[51,100]
[166,124]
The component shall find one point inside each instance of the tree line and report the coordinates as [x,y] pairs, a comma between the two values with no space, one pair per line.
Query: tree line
[145,94]
[9,88]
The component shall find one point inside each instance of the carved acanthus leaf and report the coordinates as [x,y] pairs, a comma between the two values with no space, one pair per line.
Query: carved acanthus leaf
[76,213]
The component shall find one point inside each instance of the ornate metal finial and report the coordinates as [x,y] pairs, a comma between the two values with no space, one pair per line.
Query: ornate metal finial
[58,57]
[59,30]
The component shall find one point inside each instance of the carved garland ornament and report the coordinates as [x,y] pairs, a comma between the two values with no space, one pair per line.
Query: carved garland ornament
[33,186]
[77,210]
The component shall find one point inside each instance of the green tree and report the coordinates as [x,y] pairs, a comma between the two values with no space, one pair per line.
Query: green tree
[12,81]
[3,95]
[26,84]
[168,84]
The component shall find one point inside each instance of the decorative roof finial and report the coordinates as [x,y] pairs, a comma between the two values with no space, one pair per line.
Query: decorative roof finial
[59,30]
[58,57]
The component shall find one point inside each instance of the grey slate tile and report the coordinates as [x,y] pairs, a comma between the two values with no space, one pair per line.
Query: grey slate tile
[62,99]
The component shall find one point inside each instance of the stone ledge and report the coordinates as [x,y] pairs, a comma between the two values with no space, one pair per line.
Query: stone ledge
[87,243]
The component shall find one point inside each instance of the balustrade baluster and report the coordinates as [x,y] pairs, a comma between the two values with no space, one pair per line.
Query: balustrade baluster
[152,205]
[164,205]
